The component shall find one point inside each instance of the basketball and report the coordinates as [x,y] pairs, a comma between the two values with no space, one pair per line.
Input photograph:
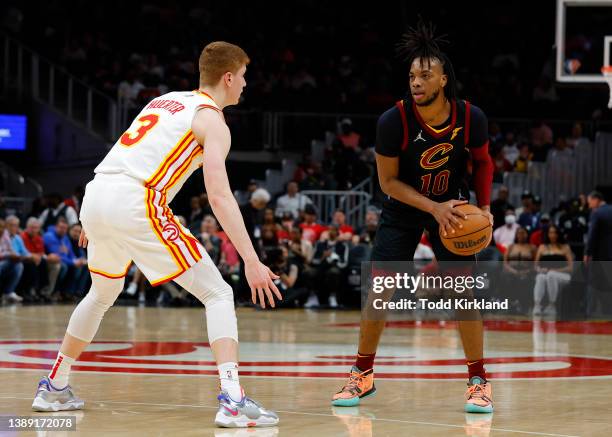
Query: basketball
[475,235]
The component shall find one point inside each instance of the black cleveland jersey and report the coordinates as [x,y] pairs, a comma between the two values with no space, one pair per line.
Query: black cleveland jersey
[432,159]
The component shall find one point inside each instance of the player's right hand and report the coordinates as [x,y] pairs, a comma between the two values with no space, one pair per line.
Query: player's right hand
[261,280]
[448,217]
[83,239]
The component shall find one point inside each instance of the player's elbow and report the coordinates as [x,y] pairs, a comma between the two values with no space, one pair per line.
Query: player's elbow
[386,185]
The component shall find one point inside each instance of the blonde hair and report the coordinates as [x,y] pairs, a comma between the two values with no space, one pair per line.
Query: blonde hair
[218,58]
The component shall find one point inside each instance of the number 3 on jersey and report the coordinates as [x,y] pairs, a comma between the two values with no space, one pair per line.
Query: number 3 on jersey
[147,122]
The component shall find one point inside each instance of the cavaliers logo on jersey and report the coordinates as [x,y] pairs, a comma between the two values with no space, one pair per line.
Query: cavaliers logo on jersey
[435,156]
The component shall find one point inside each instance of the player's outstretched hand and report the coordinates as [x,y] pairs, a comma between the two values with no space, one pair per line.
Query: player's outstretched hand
[82,239]
[261,280]
[448,217]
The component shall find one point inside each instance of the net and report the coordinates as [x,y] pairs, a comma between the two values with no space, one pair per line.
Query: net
[607,73]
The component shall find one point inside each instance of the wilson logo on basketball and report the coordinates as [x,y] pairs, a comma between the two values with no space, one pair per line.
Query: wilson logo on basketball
[470,243]
[170,231]
[429,161]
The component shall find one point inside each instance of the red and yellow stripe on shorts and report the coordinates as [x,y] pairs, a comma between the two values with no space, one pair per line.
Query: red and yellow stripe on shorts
[181,246]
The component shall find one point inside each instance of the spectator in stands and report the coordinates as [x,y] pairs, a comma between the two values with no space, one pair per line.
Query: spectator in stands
[330,260]
[314,179]
[537,236]
[530,217]
[573,223]
[541,137]
[300,249]
[311,230]
[25,257]
[288,270]
[35,245]
[505,235]
[577,140]
[518,259]
[57,208]
[208,238]
[250,214]
[339,221]
[598,248]
[518,270]
[554,263]
[11,268]
[502,165]
[269,231]
[521,165]
[367,233]
[526,202]
[510,148]
[599,241]
[347,137]
[76,199]
[292,202]
[561,150]
[195,214]
[242,197]
[79,285]
[499,206]
[58,243]
[495,134]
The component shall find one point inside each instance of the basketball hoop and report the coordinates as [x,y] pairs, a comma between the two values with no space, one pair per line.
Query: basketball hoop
[607,73]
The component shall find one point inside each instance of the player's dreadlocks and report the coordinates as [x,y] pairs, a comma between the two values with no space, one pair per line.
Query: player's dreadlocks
[421,42]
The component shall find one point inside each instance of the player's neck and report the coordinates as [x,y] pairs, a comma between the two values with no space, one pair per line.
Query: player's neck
[218,95]
[436,113]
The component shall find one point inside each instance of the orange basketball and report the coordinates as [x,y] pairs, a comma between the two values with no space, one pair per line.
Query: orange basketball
[475,235]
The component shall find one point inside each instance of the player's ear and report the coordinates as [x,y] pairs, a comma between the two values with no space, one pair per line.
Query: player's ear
[443,80]
[228,78]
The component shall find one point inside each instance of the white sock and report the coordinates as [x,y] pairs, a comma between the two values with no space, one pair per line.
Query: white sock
[228,375]
[61,370]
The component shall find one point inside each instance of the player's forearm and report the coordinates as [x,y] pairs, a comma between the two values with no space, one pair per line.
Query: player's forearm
[407,194]
[228,213]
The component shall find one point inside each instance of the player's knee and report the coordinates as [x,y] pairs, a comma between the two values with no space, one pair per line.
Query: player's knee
[104,291]
[221,294]
[221,319]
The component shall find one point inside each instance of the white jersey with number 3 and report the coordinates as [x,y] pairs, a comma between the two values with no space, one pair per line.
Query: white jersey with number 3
[159,148]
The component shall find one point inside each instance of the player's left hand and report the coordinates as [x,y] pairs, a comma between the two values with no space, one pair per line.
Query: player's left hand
[489,215]
[83,239]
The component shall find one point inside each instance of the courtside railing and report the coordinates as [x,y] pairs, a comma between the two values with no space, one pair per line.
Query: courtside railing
[26,73]
[353,203]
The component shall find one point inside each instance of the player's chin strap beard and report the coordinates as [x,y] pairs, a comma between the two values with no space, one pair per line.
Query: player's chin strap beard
[432,99]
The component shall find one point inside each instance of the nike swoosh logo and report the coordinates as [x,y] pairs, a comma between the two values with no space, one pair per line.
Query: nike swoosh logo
[232,412]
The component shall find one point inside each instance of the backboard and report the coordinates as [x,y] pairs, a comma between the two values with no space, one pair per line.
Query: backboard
[583,40]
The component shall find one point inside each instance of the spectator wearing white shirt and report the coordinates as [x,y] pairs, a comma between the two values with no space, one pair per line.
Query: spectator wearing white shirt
[510,149]
[291,202]
[506,234]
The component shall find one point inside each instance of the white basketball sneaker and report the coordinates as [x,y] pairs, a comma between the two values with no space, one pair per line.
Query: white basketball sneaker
[49,398]
[244,414]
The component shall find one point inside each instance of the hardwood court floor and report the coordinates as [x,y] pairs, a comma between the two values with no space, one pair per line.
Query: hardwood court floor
[150,373]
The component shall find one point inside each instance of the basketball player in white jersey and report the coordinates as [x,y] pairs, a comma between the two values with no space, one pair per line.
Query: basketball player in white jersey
[126,218]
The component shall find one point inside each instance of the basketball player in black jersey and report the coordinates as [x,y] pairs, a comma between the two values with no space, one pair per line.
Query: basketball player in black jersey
[424,144]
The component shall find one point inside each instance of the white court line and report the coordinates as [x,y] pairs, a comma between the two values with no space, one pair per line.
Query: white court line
[317,378]
[412,422]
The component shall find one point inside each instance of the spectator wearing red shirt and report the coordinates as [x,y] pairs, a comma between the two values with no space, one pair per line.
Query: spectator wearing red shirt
[311,230]
[339,220]
[537,237]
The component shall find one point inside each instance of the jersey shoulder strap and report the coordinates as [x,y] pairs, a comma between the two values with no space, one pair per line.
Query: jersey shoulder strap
[402,109]
[466,131]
